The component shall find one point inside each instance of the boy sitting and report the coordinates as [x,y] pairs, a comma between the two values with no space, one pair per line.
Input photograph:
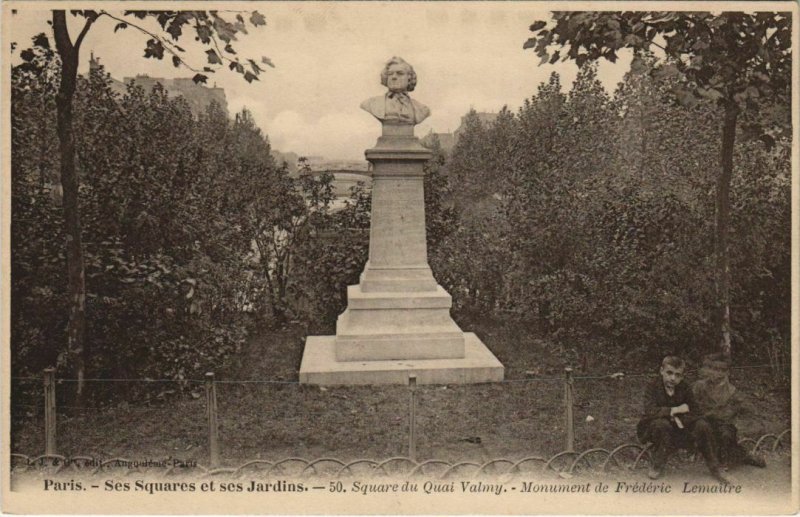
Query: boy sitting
[721,403]
[672,419]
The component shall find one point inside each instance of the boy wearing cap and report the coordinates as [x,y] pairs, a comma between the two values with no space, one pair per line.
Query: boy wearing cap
[721,403]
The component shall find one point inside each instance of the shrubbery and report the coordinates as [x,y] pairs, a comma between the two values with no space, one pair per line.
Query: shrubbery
[192,234]
[587,216]
[167,204]
[592,216]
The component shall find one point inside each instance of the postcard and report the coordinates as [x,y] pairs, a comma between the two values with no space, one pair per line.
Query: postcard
[400,257]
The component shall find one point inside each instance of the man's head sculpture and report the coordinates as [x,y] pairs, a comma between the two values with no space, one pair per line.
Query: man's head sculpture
[395,66]
[396,108]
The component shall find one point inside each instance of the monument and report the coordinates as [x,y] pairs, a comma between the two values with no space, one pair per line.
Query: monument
[397,320]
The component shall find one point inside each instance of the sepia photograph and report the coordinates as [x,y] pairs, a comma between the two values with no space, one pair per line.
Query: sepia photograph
[399,257]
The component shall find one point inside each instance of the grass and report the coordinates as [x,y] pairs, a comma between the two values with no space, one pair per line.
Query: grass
[274,421]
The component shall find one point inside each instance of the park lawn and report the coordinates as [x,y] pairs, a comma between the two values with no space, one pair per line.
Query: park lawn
[519,418]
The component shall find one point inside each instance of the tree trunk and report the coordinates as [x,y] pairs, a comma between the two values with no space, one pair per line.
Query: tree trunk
[279,307]
[271,290]
[722,223]
[76,288]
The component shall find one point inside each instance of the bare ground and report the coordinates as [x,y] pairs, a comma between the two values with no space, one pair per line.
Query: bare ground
[516,419]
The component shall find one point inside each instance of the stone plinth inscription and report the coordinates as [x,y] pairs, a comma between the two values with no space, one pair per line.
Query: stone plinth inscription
[397,235]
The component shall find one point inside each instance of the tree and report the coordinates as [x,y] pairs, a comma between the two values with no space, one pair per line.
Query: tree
[440,217]
[742,61]
[210,28]
[283,225]
[566,143]
[333,245]
[167,249]
[467,163]
[36,223]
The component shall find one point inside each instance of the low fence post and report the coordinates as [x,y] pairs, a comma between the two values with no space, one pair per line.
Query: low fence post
[49,411]
[211,411]
[568,406]
[412,417]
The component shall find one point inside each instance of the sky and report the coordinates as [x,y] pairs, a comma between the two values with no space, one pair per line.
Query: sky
[328,58]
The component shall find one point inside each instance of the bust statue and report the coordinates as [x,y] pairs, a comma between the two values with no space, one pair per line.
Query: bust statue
[396,107]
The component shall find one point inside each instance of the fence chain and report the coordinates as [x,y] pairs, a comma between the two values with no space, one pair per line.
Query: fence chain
[594,461]
[610,376]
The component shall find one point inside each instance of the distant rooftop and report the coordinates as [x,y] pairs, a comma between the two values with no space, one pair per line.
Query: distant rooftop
[448,140]
[197,95]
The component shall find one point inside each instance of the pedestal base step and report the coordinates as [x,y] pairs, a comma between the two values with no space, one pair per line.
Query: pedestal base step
[319,366]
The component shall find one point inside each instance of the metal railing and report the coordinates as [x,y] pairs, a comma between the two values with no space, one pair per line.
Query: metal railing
[212,426]
[565,464]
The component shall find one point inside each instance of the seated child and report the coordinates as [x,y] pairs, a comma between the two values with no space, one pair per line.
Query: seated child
[671,419]
[721,403]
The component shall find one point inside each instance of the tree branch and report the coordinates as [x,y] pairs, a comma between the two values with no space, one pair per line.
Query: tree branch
[214,39]
[648,24]
[659,46]
[167,45]
[86,27]
[221,56]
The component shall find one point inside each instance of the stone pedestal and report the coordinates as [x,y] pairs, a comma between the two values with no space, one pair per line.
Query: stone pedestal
[397,320]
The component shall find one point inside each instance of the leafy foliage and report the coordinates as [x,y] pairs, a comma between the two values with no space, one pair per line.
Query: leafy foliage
[167,228]
[731,57]
[587,216]
[209,26]
[741,61]
[597,222]
[186,241]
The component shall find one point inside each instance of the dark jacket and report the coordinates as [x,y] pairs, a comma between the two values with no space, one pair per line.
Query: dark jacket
[657,404]
[721,403]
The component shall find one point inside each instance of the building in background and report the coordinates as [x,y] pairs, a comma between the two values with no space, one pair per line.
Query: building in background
[446,140]
[487,119]
[198,96]
[449,140]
